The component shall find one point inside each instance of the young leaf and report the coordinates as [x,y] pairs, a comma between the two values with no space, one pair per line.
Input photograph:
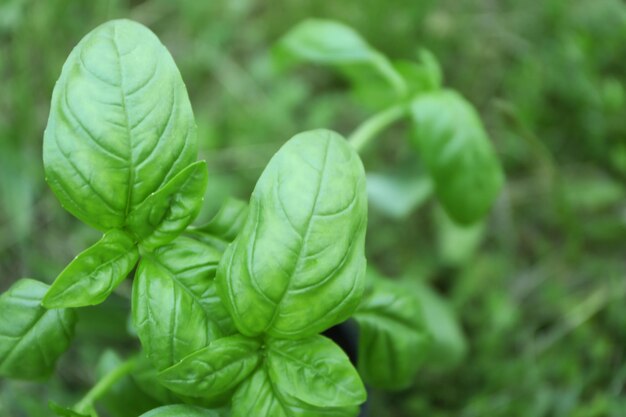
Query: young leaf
[120,124]
[258,396]
[174,303]
[333,43]
[461,160]
[393,340]
[302,243]
[214,370]
[180,410]
[167,212]
[91,277]
[31,337]
[228,221]
[315,371]
[325,42]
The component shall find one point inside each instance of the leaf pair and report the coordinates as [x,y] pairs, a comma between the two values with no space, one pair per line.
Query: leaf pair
[292,378]
[118,153]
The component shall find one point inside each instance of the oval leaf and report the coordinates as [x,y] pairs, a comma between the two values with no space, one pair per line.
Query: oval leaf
[120,124]
[325,42]
[214,370]
[31,337]
[180,410]
[174,301]
[303,241]
[393,340]
[460,158]
[258,397]
[167,212]
[91,277]
[315,371]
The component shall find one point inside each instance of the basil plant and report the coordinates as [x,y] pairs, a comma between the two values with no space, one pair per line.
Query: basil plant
[230,314]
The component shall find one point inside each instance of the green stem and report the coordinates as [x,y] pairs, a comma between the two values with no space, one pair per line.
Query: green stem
[105,384]
[368,130]
[382,64]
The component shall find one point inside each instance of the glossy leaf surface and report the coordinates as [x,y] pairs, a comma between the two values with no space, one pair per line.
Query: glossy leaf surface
[120,124]
[174,302]
[315,371]
[393,340]
[302,243]
[91,277]
[166,213]
[31,337]
[214,370]
[259,396]
[460,158]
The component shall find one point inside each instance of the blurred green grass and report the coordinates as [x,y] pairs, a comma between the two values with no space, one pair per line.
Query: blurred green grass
[541,300]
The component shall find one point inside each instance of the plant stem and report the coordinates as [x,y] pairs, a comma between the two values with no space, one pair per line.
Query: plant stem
[368,130]
[384,67]
[105,384]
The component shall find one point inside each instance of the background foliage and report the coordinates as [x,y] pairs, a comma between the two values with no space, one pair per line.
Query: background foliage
[541,297]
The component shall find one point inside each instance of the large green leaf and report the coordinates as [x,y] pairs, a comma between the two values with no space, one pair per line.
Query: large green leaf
[460,158]
[166,213]
[181,410]
[315,371]
[302,243]
[393,339]
[214,370]
[31,337]
[175,307]
[91,277]
[120,124]
[259,396]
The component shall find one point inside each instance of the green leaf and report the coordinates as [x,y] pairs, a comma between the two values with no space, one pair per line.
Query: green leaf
[330,42]
[325,42]
[448,344]
[457,243]
[91,277]
[214,370]
[120,124]
[180,410]
[302,243]
[315,371]
[459,156]
[31,337]
[393,340]
[258,396]
[228,221]
[398,196]
[167,212]
[175,306]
